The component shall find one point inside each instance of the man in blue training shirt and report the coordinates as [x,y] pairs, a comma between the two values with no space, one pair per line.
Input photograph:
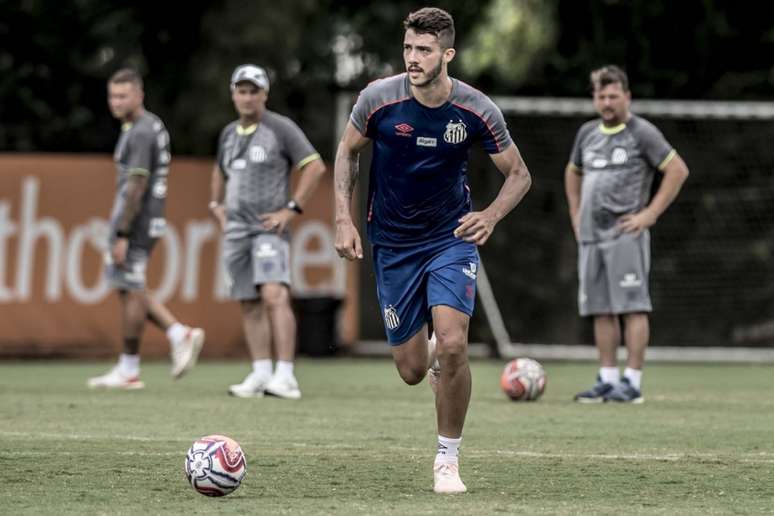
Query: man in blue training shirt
[420,224]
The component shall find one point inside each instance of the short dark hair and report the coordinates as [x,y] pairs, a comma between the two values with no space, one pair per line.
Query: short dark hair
[608,74]
[126,75]
[431,20]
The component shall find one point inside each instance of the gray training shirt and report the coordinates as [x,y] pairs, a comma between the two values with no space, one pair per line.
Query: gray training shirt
[618,165]
[256,163]
[142,149]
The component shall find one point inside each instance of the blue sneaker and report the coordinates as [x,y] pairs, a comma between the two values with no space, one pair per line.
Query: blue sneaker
[624,392]
[596,394]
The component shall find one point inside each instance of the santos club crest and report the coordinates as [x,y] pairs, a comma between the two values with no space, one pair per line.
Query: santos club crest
[455,133]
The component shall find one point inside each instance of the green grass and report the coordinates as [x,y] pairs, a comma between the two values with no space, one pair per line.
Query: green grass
[361,442]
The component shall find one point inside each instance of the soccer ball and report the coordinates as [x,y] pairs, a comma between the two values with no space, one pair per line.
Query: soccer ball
[523,379]
[215,465]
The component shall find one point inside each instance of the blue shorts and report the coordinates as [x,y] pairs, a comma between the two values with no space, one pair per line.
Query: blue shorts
[410,281]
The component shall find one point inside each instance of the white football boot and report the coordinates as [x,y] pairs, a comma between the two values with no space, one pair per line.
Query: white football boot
[283,387]
[447,478]
[116,379]
[253,386]
[185,354]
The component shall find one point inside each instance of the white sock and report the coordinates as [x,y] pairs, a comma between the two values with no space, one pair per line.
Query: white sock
[129,365]
[176,333]
[609,374]
[634,376]
[262,367]
[284,369]
[448,449]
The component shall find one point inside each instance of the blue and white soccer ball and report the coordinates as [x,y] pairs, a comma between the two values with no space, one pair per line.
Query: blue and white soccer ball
[215,465]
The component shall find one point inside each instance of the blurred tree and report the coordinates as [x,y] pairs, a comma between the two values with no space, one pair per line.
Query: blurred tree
[55,57]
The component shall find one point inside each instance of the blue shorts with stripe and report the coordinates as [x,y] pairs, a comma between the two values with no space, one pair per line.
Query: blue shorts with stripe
[410,281]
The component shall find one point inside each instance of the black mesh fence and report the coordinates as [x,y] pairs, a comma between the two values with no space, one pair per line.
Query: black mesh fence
[712,277]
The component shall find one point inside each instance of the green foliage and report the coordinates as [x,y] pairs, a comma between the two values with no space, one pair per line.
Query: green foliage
[361,442]
[509,39]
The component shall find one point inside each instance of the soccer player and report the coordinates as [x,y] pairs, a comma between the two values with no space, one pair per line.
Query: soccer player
[608,184]
[421,225]
[142,159]
[252,203]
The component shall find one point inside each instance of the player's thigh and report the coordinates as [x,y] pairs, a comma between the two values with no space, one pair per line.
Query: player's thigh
[593,285]
[238,264]
[451,282]
[400,289]
[628,265]
[451,329]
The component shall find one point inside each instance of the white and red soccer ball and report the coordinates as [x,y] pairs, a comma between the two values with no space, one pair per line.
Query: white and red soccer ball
[215,465]
[523,379]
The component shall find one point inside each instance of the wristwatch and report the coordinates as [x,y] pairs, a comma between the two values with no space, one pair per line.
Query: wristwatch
[122,234]
[293,205]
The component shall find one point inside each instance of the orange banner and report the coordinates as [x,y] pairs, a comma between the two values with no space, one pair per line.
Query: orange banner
[53,228]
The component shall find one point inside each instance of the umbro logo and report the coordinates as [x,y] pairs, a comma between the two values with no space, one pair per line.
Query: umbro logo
[403,130]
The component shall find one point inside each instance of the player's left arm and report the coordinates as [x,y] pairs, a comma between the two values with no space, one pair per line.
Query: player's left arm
[477,226]
[140,161]
[675,173]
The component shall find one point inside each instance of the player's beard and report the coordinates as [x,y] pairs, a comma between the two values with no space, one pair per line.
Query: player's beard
[432,75]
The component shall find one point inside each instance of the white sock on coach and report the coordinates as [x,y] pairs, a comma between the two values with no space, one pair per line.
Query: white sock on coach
[609,374]
[634,376]
[284,369]
[448,449]
[129,365]
[262,367]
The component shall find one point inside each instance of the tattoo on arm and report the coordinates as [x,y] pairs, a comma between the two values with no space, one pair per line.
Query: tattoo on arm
[347,180]
[133,194]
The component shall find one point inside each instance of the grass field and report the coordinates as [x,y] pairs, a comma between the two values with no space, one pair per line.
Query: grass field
[361,442]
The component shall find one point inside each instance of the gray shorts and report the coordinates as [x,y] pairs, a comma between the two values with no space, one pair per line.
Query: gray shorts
[131,274]
[255,260]
[614,275]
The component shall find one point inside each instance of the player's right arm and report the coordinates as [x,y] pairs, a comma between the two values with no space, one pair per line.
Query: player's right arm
[345,174]
[217,184]
[573,177]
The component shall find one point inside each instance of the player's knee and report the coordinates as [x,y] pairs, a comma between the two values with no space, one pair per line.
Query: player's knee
[274,296]
[412,374]
[451,347]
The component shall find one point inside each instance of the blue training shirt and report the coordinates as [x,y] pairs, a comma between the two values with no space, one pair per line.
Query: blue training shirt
[418,184]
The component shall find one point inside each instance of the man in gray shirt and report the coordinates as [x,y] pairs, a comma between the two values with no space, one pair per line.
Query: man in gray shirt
[608,184]
[137,220]
[252,203]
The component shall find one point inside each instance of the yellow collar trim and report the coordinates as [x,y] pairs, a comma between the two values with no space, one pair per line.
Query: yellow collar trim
[126,126]
[250,129]
[612,130]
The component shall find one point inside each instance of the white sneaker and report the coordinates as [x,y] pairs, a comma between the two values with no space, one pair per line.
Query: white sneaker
[447,478]
[115,379]
[283,387]
[252,386]
[185,354]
